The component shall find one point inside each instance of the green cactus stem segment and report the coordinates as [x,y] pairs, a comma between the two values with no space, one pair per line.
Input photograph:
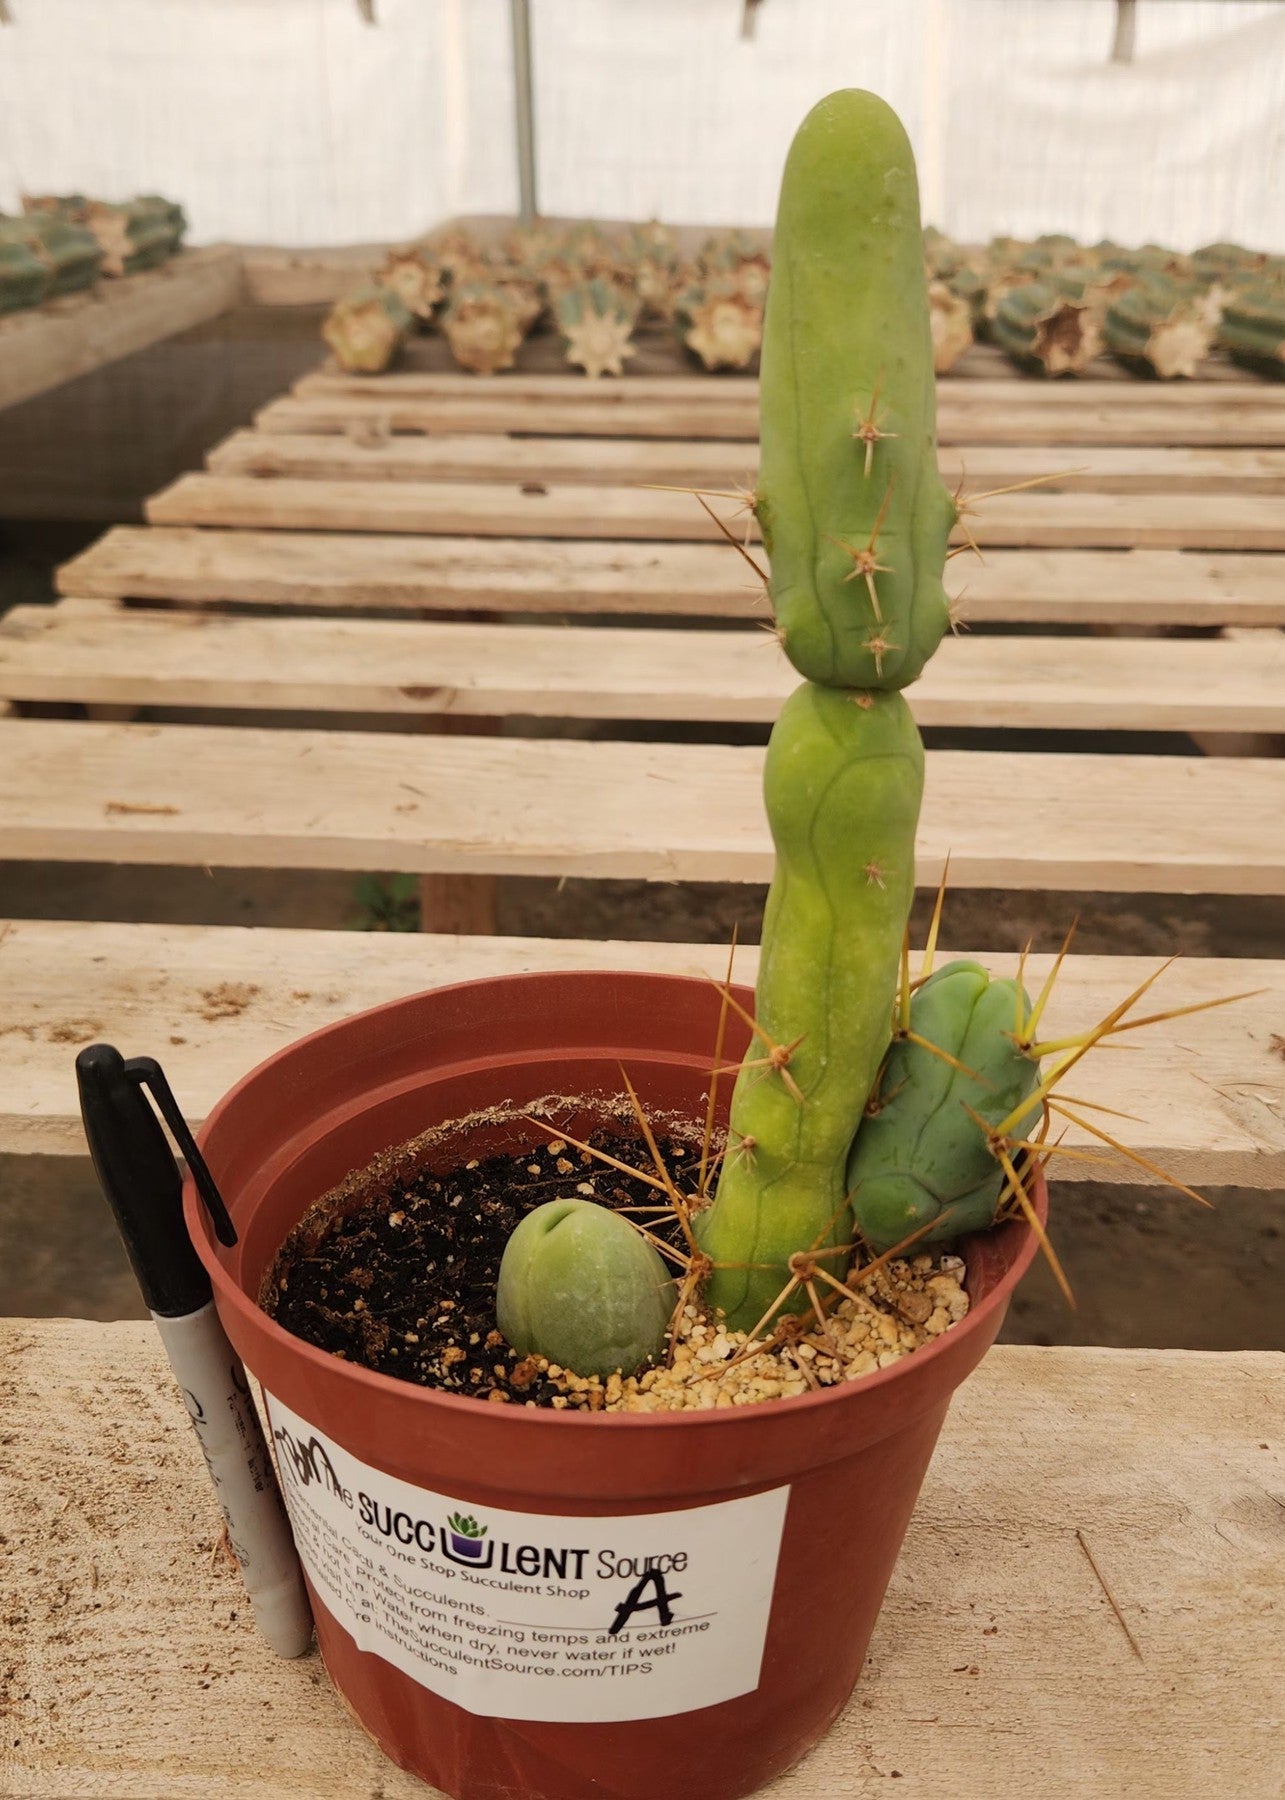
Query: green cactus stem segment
[920,1158]
[847,336]
[842,783]
[579,1285]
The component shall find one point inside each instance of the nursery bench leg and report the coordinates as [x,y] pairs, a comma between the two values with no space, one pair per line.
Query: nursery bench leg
[458,904]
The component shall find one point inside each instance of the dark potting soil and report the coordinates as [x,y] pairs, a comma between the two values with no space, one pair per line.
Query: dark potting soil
[403,1282]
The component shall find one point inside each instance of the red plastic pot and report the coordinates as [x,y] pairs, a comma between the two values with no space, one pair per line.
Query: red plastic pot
[801,1569]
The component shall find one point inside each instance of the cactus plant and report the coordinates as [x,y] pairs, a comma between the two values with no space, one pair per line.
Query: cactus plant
[165,212]
[483,326]
[652,250]
[719,324]
[1252,328]
[366,329]
[1039,326]
[137,234]
[460,254]
[867,1106]
[951,318]
[735,262]
[68,251]
[416,277]
[24,278]
[596,326]
[1160,326]
[855,518]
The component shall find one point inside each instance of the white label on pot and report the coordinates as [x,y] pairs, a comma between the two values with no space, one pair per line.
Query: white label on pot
[535,1615]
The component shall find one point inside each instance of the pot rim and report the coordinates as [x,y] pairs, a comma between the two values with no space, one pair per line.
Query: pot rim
[229,1291]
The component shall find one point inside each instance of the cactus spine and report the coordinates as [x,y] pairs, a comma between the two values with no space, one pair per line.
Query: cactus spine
[856,519]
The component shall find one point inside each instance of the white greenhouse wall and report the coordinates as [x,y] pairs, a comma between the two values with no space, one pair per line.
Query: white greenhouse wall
[293,122]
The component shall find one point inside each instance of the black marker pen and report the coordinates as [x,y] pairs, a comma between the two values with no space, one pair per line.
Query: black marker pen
[141,1181]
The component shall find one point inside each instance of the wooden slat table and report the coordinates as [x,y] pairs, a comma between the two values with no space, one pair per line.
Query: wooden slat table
[998,1665]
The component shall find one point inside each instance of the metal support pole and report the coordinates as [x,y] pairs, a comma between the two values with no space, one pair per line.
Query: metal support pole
[524,108]
[1126,23]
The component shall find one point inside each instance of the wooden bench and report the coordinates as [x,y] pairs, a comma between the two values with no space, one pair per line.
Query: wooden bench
[1067,1484]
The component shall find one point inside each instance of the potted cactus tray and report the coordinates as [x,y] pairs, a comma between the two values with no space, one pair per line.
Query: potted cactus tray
[607,1322]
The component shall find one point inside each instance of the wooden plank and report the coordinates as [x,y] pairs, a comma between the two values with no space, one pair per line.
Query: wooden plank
[1155,1459]
[255,798]
[641,460]
[537,509]
[711,413]
[54,343]
[282,569]
[1208,1092]
[1059,396]
[90,652]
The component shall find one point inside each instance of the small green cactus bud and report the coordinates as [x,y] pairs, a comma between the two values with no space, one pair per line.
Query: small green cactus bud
[919,1157]
[579,1285]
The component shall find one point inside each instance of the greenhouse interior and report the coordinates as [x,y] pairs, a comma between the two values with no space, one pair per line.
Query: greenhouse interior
[642,899]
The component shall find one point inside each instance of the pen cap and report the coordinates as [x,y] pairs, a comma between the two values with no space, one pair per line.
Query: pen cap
[140,1179]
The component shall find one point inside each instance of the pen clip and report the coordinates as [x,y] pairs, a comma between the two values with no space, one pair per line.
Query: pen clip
[148,1073]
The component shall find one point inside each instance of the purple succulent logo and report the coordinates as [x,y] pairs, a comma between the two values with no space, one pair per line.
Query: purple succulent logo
[466,1539]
